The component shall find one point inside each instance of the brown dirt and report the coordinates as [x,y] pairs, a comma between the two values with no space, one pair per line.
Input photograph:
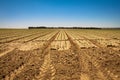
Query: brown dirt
[32,62]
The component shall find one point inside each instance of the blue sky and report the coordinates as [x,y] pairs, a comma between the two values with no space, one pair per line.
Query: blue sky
[24,13]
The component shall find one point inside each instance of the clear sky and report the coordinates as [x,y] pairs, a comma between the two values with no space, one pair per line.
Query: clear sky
[24,13]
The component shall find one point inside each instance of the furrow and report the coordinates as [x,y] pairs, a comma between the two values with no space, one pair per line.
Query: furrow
[47,70]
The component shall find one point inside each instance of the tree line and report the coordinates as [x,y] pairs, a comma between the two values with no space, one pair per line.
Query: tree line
[44,27]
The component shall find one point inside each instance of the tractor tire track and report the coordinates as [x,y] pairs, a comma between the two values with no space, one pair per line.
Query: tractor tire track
[82,63]
[20,69]
[47,70]
[110,76]
[101,70]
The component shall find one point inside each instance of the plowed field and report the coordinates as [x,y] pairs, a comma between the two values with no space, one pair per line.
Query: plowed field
[59,54]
